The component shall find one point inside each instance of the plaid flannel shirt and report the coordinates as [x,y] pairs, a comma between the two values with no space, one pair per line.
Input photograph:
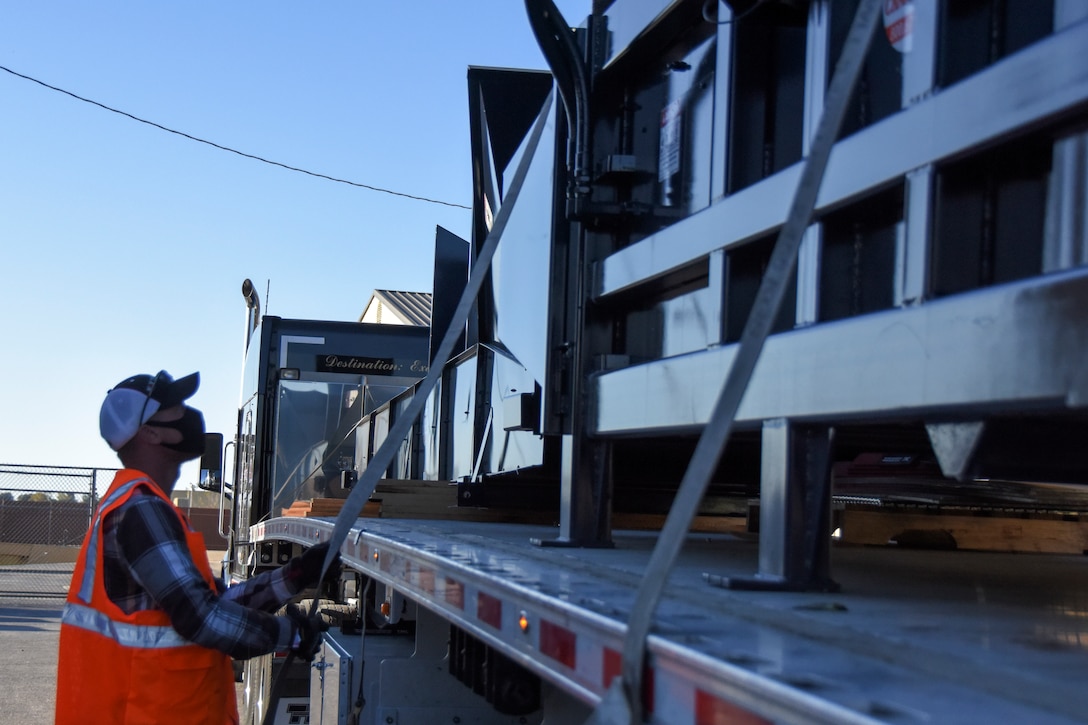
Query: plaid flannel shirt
[148,566]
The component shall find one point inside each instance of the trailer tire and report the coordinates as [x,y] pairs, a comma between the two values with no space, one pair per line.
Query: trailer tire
[333,613]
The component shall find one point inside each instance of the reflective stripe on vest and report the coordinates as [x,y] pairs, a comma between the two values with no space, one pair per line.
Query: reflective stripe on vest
[86,587]
[136,636]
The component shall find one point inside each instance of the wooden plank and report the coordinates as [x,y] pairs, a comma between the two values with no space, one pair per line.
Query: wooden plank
[700,524]
[408,486]
[1053,535]
[322,507]
[416,499]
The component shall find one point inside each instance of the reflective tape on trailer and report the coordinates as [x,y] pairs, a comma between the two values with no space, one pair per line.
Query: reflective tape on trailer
[573,647]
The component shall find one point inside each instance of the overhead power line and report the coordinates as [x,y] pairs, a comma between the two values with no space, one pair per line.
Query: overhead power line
[227,148]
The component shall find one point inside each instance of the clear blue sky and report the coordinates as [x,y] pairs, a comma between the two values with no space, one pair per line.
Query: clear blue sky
[124,247]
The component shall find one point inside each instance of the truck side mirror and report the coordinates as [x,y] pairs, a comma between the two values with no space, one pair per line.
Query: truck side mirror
[211,463]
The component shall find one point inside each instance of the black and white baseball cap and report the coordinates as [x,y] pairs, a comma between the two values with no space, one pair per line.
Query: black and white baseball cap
[132,401]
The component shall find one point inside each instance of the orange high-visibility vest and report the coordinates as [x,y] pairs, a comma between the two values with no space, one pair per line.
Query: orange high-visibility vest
[115,667]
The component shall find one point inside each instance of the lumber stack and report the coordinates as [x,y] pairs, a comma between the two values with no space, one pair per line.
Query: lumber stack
[407,499]
[736,525]
[323,507]
[978,530]
[404,499]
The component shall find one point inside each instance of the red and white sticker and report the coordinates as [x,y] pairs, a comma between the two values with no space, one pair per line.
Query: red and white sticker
[899,23]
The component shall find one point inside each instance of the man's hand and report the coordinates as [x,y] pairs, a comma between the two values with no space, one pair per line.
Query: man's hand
[308,630]
[305,570]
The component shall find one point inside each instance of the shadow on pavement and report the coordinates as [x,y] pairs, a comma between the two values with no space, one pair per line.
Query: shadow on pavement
[34,617]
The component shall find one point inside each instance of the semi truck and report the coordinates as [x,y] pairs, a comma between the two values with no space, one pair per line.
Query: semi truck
[758,393]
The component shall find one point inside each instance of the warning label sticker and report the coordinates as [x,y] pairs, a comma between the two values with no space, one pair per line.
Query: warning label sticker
[899,23]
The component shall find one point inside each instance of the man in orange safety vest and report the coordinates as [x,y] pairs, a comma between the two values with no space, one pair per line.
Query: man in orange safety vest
[148,632]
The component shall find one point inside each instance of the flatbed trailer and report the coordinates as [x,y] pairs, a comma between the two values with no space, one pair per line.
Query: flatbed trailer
[919,374]
[912,637]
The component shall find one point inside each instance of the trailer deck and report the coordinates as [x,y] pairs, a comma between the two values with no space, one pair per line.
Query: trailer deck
[912,635]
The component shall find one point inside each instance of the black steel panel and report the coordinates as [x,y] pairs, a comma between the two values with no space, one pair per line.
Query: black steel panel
[503,106]
[978,33]
[451,255]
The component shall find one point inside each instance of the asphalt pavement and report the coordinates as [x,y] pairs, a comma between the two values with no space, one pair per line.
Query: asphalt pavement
[29,630]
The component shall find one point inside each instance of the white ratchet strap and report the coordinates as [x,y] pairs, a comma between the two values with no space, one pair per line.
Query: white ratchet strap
[377,465]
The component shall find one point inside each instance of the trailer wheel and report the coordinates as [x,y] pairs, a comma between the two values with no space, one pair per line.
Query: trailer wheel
[333,613]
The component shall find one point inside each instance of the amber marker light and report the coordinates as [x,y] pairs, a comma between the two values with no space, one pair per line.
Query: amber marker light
[523,622]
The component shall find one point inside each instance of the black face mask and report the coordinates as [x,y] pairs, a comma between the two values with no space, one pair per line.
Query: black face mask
[191,427]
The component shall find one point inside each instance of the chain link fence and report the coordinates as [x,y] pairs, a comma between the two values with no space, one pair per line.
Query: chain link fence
[44,513]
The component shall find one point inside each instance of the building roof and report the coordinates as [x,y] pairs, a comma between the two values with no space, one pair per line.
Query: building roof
[391,307]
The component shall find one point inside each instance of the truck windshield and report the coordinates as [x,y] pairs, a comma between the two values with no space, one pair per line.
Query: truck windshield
[315,436]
